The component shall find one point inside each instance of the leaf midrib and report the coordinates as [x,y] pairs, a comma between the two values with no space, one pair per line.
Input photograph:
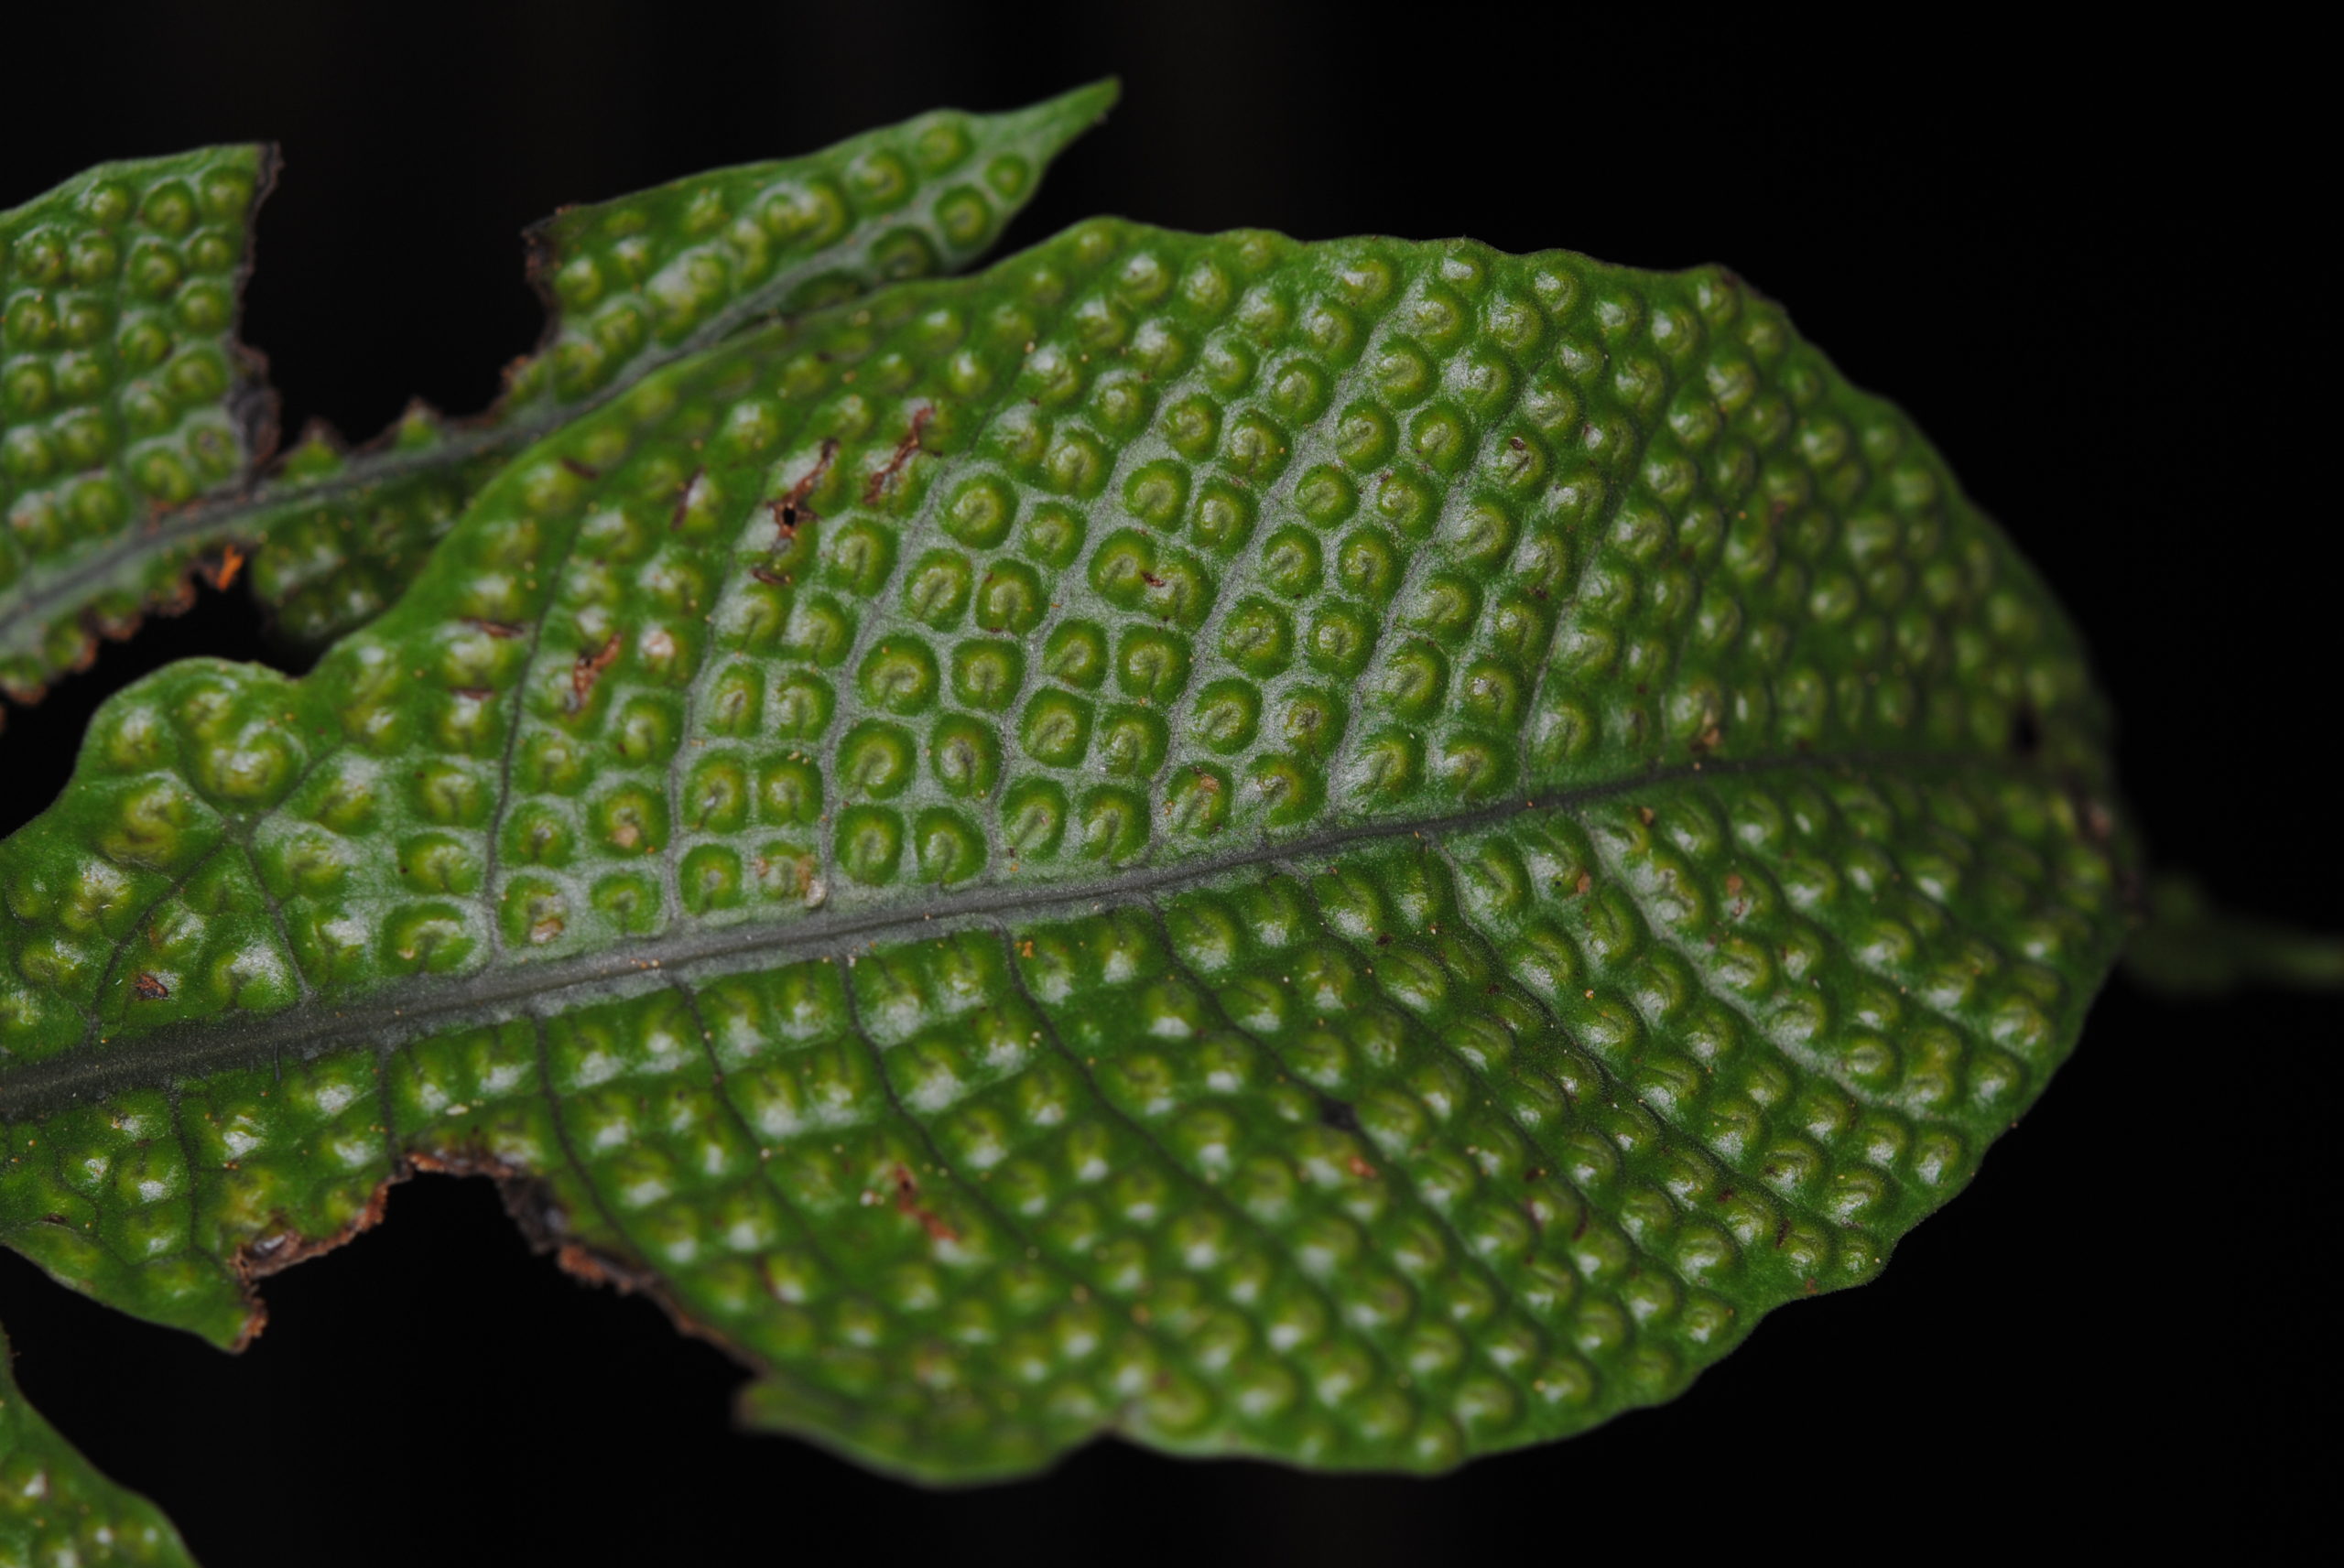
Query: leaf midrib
[408,1009]
[251,511]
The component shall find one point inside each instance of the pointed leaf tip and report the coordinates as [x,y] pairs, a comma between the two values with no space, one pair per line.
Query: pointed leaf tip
[1081,108]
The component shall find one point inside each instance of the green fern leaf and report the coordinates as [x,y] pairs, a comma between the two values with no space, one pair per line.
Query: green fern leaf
[1358,852]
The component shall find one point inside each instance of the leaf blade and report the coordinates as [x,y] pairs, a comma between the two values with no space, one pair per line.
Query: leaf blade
[748,839]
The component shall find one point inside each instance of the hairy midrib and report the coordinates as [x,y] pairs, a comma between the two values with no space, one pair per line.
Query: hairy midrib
[409,1010]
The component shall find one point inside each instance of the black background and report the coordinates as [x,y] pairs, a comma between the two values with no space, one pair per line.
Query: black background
[2084,263]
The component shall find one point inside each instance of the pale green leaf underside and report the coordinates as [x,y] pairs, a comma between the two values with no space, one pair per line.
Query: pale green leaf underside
[1360,853]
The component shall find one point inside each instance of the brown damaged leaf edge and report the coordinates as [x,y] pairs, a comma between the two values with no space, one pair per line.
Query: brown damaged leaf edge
[528,1200]
[544,1223]
[279,1249]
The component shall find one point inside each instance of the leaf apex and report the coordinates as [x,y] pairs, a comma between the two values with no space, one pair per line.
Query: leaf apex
[1070,113]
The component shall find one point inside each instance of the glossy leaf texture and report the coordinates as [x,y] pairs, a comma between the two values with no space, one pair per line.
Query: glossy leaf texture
[1360,853]
[134,424]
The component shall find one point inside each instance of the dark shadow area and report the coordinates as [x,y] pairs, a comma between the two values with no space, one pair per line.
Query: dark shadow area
[2092,278]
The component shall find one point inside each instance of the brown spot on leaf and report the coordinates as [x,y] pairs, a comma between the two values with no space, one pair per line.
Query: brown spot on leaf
[493,628]
[1360,1168]
[878,482]
[589,669]
[907,1202]
[791,509]
[148,987]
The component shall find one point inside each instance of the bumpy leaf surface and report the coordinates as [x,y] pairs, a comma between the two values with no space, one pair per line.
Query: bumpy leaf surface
[126,396]
[1361,852]
[122,392]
